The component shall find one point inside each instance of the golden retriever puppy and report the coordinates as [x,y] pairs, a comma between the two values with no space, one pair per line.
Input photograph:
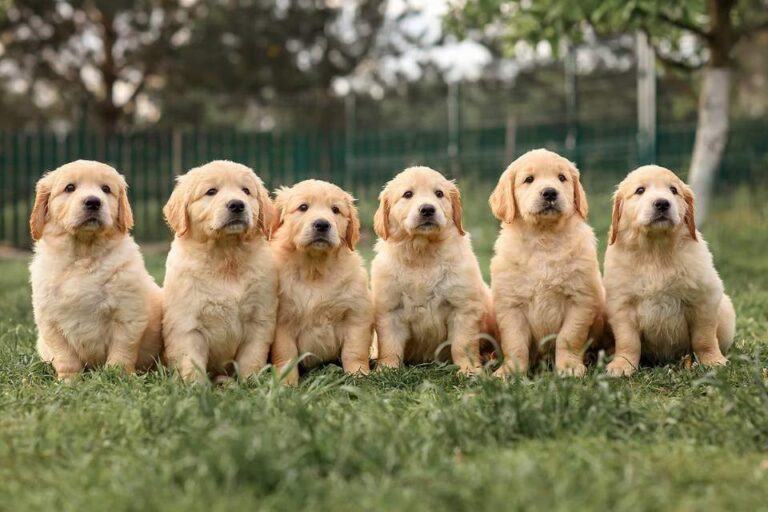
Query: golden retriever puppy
[545,276]
[221,281]
[664,296]
[426,283]
[94,302]
[325,311]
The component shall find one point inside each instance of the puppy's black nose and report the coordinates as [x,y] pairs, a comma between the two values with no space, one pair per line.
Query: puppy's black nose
[92,203]
[236,206]
[661,205]
[427,210]
[549,193]
[321,225]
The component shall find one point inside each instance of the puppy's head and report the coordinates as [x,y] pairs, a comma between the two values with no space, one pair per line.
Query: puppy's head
[652,201]
[218,200]
[81,198]
[539,187]
[316,215]
[418,202]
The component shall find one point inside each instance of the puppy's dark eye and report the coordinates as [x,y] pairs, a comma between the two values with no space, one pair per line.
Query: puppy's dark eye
[69,188]
[211,191]
[335,210]
[439,193]
[303,207]
[247,191]
[106,189]
[674,190]
[529,179]
[561,177]
[408,194]
[640,191]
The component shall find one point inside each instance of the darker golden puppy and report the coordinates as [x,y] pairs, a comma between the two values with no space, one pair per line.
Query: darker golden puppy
[426,283]
[325,312]
[664,296]
[220,282]
[544,275]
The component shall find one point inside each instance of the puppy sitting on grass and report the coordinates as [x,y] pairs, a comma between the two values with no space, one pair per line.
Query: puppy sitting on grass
[325,311]
[221,281]
[93,300]
[544,274]
[664,296]
[427,287]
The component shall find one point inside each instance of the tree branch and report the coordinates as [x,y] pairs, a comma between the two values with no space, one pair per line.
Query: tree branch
[675,22]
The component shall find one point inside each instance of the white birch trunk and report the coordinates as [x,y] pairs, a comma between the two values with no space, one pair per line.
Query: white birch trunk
[711,136]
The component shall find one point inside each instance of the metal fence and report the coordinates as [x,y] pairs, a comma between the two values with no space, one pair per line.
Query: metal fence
[360,161]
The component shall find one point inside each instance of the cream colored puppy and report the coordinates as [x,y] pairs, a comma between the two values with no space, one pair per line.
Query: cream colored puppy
[426,282]
[94,302]
[664,296]
[544,275]
[325,311]
[221,280]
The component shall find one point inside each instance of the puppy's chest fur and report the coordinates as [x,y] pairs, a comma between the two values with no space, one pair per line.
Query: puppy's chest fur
[86,300]
[317,311]
[427,297]
[663,297]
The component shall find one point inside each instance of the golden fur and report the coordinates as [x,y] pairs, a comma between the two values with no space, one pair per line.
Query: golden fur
[426,282]
[545,276]
[221,281]
[93,300]
[325,310]
[664,296]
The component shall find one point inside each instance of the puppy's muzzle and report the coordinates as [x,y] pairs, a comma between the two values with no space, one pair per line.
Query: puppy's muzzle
[92,204]
[427,211]
[549,200]
[661,209]
[321,226]
[236,206]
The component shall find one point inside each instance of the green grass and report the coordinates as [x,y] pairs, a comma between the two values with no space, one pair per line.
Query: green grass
[416,438]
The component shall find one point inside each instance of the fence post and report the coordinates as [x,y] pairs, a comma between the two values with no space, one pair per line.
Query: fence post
[454,127]
[349,136]
[646,100]
[572,142]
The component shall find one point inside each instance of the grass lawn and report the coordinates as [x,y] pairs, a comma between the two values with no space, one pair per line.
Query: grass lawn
[416,438]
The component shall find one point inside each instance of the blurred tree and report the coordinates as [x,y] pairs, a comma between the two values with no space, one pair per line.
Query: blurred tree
[96,55]
[686,34]
[270,53]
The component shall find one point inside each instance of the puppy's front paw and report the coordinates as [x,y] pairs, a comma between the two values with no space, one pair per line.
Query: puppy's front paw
[571,370]
[506,371]
[387,362]
[469,370]
[620,368]
[716,359]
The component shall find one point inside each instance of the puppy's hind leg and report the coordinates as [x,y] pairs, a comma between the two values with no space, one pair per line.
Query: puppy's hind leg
[515,336]
[726,324]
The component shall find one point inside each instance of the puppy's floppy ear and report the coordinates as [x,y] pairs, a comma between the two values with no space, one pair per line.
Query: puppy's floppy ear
[40,209]
[124,221]
[502,199]
[690,211]
[381,217]
[455,196]
[618,204]
[353,224]
[175,209]
[579,196]
[279,210]
[267,213]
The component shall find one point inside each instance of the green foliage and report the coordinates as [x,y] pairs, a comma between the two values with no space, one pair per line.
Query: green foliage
[416,438]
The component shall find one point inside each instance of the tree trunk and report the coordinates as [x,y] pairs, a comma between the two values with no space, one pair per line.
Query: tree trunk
[711,136]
